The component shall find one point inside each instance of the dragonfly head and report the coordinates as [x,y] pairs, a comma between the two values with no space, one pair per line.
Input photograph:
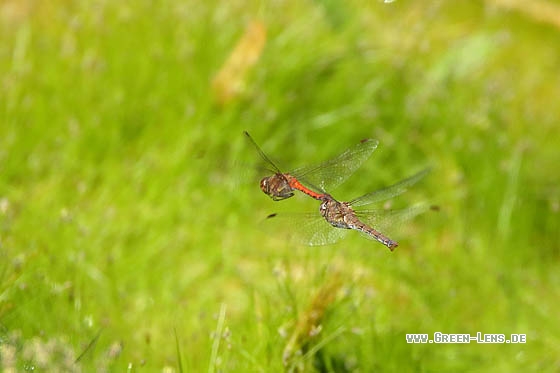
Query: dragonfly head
[276,187]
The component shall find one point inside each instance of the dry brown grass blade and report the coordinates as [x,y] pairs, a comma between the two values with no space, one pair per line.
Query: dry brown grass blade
[539,10]
[230,80]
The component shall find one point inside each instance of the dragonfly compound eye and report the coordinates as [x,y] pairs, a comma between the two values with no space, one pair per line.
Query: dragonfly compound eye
[264,185]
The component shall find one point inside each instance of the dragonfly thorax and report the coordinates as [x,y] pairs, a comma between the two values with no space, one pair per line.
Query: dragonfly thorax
[336,213]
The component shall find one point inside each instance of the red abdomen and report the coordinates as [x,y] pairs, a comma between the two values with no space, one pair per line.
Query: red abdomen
[295,184]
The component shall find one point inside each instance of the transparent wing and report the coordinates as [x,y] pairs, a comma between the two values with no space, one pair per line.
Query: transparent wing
[390,191]
[389,221]
[330,174]
[268,164]
[306,228]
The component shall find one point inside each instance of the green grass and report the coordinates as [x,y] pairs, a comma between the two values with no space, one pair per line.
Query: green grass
[128,241]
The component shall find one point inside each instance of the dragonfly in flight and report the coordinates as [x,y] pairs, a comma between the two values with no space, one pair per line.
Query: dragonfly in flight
[314,182]
[336,218]
[316,179]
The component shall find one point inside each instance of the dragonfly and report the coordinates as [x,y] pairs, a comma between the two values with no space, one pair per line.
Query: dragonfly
[370,222]
[313,180]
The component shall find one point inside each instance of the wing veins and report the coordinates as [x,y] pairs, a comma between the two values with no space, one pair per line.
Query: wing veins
[390,191]
[331,173]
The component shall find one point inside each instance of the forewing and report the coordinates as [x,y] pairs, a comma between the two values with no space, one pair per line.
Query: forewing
[330,174]
[390,191]
[268,164]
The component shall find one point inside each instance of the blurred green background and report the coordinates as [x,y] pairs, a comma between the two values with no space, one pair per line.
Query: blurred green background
[129,229]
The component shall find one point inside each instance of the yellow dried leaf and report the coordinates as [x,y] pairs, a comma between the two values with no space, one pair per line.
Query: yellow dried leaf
[539,10]
[229,82]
